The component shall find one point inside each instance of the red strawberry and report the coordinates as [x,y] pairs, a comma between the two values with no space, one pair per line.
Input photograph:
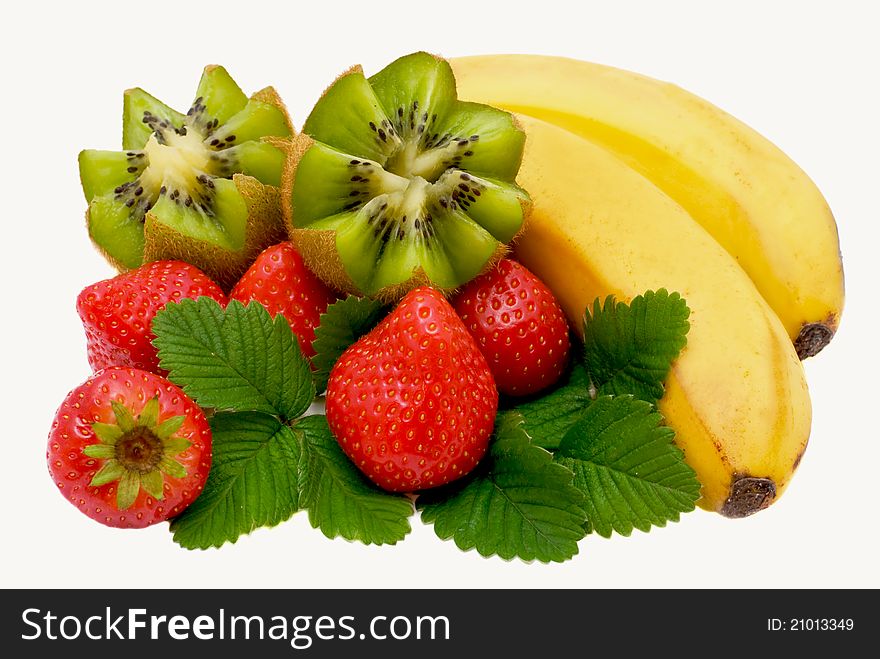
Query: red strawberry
[412,403]
[129,449]
[280,281]
[518,325]
[117,313]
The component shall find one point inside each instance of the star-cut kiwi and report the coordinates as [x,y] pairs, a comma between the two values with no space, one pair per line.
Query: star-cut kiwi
[201,187]
[395,183]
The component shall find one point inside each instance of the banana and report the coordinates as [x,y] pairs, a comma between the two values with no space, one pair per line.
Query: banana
[736,396]
[750,196]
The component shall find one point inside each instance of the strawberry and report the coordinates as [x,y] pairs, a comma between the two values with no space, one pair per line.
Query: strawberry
[129,449]
[413,403]
[518,325]
[280,281]
[117,313]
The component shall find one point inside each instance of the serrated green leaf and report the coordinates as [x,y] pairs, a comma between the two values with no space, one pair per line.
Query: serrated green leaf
[252,483]
[628,349]
[340,500]
[548,418]
[236,358]
[625,463]
[344,322]
[518,504]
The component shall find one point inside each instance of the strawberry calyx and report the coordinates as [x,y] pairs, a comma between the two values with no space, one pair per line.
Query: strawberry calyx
[139,452]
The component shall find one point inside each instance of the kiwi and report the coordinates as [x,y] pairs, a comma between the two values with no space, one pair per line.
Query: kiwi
[201,187]
[395,183]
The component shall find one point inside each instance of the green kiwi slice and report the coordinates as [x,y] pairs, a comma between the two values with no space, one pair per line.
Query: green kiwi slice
[137,104]
[395,183]
[188,186]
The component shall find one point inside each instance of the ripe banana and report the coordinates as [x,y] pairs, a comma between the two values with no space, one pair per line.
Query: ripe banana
[736,396]
[749,195]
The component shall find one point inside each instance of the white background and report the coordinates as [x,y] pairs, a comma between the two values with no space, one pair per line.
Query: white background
[804,74]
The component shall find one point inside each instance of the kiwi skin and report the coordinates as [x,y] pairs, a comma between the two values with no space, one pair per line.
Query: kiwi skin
[318,248]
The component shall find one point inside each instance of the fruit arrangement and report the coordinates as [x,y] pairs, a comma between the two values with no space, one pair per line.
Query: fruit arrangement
[538,299]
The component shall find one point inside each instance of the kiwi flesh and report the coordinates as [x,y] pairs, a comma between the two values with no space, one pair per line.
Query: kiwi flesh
[200,186]
[395,183]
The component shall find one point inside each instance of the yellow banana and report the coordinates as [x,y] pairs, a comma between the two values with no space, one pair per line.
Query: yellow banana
[750,196]
[736,396]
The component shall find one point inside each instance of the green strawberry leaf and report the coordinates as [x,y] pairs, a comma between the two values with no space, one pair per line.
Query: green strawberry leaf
[252,483]
[548,418]
[340,500]
[628,349]
[236,358]
[625,463]
[344,322]
[519,503]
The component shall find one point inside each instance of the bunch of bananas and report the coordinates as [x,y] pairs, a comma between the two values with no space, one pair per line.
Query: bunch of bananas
[638,184]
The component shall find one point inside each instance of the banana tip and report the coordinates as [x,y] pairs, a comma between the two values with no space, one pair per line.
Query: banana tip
[748,495]
[812,338]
